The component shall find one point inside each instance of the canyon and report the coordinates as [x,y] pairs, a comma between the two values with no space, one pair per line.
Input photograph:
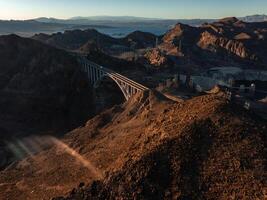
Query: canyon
[62,138]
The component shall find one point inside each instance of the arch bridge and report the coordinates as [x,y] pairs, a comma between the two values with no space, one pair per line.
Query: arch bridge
[96,72]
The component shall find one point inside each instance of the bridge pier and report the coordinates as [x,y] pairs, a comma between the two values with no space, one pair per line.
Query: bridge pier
[91,75]
[88,72]
[94,73]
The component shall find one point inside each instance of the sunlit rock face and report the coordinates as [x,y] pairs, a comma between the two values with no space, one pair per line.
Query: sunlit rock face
[227,42]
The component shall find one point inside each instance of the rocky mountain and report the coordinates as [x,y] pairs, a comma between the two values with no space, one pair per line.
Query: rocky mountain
[92,19]
[140,40]
[75,39]
[225,42]
[204,148]
[42,90]
[124,21]
[131,19]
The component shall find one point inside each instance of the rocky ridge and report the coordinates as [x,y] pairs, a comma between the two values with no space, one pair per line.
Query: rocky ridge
[226,42]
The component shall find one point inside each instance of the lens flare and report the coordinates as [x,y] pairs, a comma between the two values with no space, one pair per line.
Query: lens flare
[25,148]
[18,153]
[32,145]
[85,162]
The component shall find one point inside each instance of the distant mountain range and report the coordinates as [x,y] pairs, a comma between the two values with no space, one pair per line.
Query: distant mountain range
[28,28]
[115,18]
[113,25]
[95,18]
[119,21]
[89,20]
[254,18]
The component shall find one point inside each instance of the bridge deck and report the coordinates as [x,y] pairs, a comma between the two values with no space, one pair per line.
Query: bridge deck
[96,72]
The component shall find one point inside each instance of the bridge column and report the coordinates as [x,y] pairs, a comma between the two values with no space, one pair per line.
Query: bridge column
[134,91]
[131,90]
[88,72]
[127,89]
[84,68]
[91,75]
[102,73]
[95,74]
[98,74]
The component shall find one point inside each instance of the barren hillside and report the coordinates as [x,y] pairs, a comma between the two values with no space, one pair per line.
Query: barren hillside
[150,148]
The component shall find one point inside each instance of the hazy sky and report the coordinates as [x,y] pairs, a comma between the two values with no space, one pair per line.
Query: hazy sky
[25,9]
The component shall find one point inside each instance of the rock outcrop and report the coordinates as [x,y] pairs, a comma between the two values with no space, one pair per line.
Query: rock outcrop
[157,59]
[140,40]
[215,44]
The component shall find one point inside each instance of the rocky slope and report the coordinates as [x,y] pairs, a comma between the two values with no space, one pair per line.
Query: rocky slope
[226,42]
[150,148]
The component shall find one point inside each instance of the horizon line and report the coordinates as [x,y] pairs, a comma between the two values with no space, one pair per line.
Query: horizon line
[140,17]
